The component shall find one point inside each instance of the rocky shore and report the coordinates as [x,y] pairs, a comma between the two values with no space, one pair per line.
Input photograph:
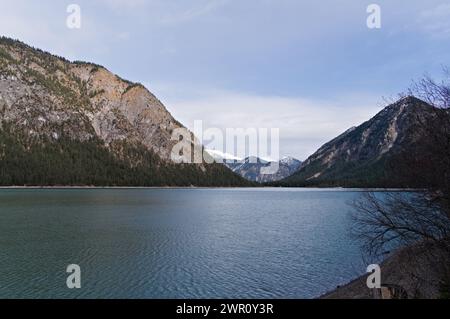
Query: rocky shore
[412,272]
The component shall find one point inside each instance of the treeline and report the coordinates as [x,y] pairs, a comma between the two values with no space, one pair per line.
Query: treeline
[25,161]
[373,174]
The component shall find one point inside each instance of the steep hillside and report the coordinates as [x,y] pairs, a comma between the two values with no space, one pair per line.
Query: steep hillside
[76,123]
[373,154]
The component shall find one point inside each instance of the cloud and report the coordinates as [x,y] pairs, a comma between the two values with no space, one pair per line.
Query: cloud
[305,124]
[192,12]
[166,13]
[436,21]
[124,4]
[123,35]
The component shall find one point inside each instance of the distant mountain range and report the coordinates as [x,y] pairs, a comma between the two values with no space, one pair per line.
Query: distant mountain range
[252,168]
[76,123]
[374,153]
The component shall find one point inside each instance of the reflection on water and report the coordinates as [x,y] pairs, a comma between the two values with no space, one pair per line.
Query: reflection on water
[176,243]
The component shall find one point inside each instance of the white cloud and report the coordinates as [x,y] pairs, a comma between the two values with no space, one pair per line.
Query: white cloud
[182,15]
[163,12]
[125,4]
[436,21]
[305,124]
[123,35]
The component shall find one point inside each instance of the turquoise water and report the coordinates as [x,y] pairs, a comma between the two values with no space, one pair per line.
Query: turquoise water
[176,243]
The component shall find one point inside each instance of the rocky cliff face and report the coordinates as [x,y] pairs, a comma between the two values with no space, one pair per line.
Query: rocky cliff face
[45,99]
[47,95]
[369,154]
[252,169]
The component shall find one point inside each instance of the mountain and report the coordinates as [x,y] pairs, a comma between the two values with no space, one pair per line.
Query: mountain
[76,123]
[292,163]
[381,152]
[252,168]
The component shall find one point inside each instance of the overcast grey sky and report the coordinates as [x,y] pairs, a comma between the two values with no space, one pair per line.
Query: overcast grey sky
[311,68]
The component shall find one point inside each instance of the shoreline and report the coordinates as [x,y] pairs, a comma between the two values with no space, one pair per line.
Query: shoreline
[343,189]
[293,189]
[408,272]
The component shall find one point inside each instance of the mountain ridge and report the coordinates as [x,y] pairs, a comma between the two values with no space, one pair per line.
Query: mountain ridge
[252,167]
[369,155]
[47,102]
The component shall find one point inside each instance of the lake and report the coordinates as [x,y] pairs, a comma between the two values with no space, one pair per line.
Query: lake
[176,243]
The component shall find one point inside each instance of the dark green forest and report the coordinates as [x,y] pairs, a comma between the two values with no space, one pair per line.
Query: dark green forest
[26,161]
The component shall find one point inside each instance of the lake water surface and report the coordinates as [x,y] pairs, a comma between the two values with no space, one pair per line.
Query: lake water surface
[176,243]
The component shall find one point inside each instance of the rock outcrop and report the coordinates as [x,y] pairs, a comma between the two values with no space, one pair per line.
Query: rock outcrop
[47,100]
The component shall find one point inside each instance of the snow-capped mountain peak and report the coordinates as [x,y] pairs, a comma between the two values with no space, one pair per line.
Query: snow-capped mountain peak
[222,156]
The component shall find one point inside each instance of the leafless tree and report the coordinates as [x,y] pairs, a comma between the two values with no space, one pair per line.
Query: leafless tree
[436,93]
[384,221]
[390,220]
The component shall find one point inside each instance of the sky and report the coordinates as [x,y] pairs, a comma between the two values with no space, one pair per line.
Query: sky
[311,69]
